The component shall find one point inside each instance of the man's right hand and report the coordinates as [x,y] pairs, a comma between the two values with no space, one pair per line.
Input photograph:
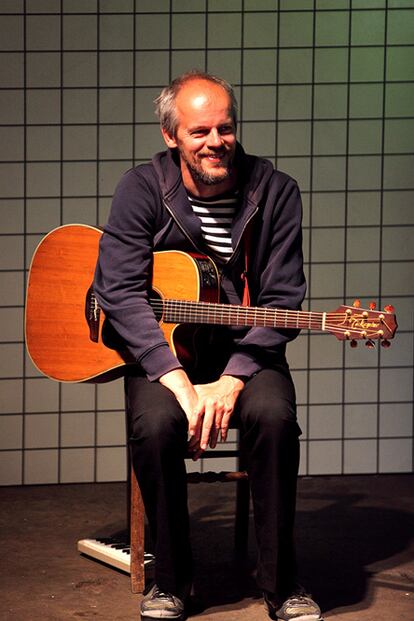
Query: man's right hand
[179,383]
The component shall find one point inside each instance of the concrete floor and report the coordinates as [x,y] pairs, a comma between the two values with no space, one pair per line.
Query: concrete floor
[353,546]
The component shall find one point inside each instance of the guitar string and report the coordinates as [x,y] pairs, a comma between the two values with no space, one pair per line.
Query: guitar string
[200,308]
[195,311]
[218,305]
[202,303]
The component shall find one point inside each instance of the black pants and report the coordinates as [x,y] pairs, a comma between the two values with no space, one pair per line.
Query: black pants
[266,415]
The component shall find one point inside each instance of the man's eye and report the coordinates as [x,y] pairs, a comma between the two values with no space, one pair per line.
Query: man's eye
[226,129]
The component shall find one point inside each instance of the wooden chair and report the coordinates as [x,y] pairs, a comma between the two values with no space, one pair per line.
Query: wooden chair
[137,512]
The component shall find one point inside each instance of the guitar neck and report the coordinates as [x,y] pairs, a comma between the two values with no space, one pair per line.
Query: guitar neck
[183,311]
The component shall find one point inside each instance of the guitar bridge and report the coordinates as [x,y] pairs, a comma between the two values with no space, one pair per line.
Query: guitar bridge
[92,314]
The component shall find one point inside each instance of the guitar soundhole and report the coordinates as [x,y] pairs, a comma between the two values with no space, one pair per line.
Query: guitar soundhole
[157,304]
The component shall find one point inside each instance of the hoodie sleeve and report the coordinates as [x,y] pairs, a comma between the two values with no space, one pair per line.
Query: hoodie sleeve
[281,281]
[123,274]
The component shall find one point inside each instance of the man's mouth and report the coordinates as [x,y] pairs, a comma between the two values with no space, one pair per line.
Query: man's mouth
[214,157]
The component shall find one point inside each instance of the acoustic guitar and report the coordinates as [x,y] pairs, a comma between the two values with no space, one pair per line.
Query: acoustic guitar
[63,322]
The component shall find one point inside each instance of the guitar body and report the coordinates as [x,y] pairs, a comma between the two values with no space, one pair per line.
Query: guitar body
[61,273]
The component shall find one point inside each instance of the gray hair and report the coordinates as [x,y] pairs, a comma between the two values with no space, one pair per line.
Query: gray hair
[165,107]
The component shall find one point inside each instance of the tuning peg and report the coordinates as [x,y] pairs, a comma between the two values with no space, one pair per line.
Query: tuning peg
[357,303]
[353,343]
[370,344]
[372,306]
[389,308]
[385,343]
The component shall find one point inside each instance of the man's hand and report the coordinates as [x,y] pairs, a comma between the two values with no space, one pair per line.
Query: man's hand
[208,407]
[178,382]
[217,402]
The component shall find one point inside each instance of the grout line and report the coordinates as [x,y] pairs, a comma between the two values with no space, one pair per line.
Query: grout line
[24,394]
[380,258]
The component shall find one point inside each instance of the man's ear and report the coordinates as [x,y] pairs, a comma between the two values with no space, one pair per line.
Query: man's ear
[170,141]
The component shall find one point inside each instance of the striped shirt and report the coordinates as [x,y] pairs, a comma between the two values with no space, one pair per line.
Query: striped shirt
[216,215]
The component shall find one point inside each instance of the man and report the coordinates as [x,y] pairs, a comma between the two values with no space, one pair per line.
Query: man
[205,195]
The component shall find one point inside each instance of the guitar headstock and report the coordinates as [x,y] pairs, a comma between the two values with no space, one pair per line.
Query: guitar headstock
[352,323]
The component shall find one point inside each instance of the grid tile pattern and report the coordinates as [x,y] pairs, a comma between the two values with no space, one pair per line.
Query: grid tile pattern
[325,91]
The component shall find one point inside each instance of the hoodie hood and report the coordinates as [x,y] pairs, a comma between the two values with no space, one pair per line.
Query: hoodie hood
[253,173]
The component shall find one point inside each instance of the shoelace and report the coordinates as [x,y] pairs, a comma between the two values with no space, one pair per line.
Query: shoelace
[162,595]
[298,598]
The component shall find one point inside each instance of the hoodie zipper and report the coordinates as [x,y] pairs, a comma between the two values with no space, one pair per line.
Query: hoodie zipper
[182,229]
[231,260]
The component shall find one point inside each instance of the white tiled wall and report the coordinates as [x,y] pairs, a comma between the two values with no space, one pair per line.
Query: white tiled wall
[320,94]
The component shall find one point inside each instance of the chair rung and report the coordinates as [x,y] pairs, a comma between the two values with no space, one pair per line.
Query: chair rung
[217,454]
[216,477]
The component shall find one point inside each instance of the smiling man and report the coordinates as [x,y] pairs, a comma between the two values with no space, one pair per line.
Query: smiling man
[205,138]
[205,195]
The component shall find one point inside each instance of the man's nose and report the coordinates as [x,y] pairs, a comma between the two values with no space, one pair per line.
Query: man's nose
[214,138]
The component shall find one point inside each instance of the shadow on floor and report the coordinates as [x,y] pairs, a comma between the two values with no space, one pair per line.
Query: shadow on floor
[344,536]
[353,537]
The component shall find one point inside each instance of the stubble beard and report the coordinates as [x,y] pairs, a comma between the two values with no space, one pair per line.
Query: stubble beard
[202,176]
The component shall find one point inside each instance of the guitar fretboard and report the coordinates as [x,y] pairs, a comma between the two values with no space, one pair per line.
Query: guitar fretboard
[184,311]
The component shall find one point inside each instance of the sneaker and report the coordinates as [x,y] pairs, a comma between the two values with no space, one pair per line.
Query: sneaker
[159,605]
[298,607]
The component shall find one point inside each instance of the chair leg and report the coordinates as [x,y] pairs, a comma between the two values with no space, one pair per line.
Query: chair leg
[137,536]
[241,522]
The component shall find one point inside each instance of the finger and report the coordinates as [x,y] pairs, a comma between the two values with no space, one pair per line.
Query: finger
[192,425]
[194,450]
[213,410]
[225,421]
[193,443]
[208,421]
[197,454]
[214,436]
[195,423]
[215,430]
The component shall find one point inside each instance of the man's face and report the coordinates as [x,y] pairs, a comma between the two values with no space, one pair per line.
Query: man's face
[205,137]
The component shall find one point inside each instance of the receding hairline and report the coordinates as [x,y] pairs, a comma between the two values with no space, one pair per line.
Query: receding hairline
[199,78]
[166,102]
[199,89]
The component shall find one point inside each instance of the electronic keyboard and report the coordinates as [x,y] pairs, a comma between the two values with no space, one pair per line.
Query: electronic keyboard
[114,551]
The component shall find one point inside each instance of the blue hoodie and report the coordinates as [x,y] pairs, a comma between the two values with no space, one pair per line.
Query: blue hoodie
[151,212]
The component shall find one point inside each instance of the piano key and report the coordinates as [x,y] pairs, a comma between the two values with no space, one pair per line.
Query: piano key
[111,551]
